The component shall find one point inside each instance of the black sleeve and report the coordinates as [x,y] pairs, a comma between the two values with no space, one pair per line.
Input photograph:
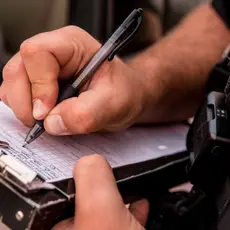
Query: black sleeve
[223,9]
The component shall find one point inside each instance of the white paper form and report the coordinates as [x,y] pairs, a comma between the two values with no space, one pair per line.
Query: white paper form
[53,158]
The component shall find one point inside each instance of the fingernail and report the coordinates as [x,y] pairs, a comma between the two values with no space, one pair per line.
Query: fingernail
[39,109]
[55,125]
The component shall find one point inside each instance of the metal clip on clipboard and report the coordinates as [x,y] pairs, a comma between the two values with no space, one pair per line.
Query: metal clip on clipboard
[27,201]
[21,176]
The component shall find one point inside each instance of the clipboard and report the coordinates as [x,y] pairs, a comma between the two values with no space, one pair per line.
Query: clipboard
[36,192]
[28,202]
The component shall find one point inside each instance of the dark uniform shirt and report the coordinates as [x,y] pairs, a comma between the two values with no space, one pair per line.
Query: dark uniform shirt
[223,9]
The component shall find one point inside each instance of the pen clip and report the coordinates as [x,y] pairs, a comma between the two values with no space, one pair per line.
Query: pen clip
[126,40]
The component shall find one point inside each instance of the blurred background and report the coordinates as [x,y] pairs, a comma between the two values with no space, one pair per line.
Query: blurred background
[22,19]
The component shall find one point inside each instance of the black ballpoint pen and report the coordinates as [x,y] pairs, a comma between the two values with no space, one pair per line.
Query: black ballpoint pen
[120,38]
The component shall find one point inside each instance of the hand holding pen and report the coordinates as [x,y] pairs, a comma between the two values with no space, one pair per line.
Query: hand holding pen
[113,98]
[117,41]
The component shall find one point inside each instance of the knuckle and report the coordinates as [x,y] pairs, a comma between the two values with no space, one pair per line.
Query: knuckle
[28,48]
[70,28]
[81,39]
[75,29]
[37,82]
[46,92]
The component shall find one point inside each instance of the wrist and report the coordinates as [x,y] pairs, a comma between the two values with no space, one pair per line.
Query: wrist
[154,90]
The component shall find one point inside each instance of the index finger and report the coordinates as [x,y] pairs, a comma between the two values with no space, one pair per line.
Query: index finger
[45,57]
[49,56]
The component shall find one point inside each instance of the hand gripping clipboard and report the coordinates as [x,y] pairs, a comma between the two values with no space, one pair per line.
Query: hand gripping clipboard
[27,202]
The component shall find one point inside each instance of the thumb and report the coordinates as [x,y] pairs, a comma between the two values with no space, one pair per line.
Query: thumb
[79,115]
[98,202]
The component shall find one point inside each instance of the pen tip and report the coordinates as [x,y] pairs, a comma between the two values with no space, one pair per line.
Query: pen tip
[25,144]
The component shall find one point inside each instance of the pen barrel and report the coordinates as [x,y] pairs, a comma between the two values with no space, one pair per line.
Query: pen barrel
[40,122]
[68,92]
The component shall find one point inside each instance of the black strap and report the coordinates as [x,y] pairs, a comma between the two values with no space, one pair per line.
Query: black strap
[182,210]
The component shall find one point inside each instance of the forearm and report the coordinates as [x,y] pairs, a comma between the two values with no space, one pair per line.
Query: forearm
[176,69]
